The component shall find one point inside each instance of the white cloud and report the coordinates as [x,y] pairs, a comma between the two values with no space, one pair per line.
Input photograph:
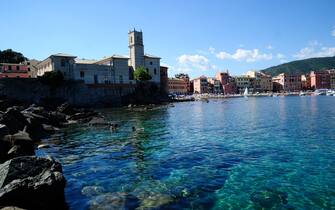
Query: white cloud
[244,55]
[280,56]
[211,50]
[314,49]
[187,63]
[269,47]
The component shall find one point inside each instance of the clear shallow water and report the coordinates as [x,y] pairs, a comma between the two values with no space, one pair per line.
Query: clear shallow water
[258,153]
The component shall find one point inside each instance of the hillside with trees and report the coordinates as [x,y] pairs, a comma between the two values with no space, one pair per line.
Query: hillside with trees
[302,66]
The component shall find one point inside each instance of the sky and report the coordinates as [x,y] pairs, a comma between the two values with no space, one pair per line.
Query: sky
[197,37]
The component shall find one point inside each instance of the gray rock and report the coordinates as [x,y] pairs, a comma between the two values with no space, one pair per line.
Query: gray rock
[83,116]
[21,144]
[50,129]
[14,120]
[66,109]
[98,121]
[32,183]
[3,130]
[41,146]
[57,118]
[11,208]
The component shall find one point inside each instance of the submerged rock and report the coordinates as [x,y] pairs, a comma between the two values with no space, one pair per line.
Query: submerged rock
[115,201]
[268,198]
[155,201]
[92,190]
[32,183]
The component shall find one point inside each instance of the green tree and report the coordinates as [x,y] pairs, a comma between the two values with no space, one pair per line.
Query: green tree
[10,56]
[141,74]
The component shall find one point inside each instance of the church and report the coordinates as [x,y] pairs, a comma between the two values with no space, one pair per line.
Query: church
[115,69]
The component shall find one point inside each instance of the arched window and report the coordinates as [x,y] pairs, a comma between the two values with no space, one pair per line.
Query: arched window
[155,71]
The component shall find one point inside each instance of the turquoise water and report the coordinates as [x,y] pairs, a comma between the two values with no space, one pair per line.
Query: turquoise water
[260,153]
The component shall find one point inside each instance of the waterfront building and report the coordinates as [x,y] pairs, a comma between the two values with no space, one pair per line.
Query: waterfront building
[305,82]
[186,78]
[200,85]
[261,82]
[164,78]
[332,78]
[227,82]
[320,79]
[214,85]
[243,82]
[286,82]
[114,69]
[10,70]
[177,86]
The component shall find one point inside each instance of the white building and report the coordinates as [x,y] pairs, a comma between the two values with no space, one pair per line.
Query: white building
[114,69]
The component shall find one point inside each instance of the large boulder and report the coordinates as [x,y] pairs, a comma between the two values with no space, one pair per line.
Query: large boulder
[57,118]
[66,109]
[35,128]
[83,116]
[20,143]
[4,145]
[14,120]
[32,183]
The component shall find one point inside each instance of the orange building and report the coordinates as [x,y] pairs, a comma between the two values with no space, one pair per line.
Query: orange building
[177,86]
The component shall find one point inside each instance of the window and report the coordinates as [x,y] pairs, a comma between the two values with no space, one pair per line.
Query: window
[155,71]
[150,62]
[82,74]
[147,70]
[17,68]
[121,79]
[62,63]
[9,68]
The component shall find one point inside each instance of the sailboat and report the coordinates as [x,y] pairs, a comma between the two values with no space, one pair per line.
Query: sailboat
[245,93]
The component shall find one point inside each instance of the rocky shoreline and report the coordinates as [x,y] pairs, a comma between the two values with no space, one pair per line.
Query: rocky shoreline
[27,181]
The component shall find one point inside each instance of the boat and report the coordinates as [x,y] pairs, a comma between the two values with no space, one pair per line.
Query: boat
[302,93]
[245,94]
[330,93]
[320,92]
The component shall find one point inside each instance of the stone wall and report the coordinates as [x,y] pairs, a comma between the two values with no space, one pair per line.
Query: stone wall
[75,93]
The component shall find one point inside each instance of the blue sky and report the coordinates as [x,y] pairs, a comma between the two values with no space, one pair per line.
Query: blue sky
[194,37]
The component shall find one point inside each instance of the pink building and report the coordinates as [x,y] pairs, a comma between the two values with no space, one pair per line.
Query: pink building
[9,70]
[286,82]
[227,82]
[320,79]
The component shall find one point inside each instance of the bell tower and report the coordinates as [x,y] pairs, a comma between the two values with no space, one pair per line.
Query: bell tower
[136,48]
